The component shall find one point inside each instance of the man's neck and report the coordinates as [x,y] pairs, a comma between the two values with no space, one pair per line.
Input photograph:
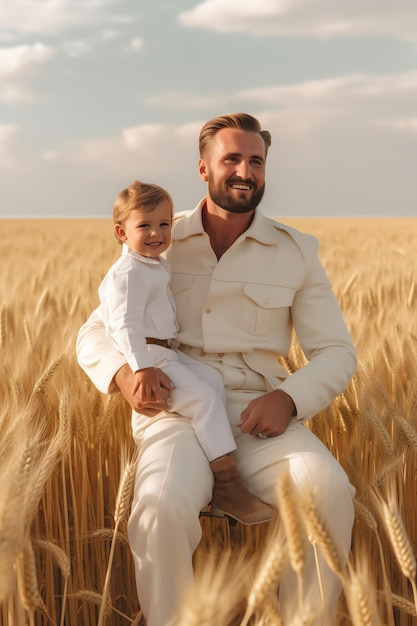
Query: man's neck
[224,227]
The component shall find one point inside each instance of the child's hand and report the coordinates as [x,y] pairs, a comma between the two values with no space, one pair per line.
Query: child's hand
[148,383]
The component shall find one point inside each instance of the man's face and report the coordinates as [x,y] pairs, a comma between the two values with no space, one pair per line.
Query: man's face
[234,168]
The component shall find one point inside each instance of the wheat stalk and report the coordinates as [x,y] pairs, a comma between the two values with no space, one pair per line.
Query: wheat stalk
[3,326]
[122,505]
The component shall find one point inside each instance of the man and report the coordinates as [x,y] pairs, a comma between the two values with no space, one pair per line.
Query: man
[241,282]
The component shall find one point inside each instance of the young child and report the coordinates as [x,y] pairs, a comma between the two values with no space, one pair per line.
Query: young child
[138,310]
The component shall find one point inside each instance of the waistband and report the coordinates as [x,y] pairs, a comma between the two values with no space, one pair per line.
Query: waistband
[165,343]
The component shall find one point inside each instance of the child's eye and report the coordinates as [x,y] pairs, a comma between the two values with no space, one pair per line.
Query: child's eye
[143,225]
[166,224]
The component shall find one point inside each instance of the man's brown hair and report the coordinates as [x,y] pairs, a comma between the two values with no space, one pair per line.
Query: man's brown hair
[244,121]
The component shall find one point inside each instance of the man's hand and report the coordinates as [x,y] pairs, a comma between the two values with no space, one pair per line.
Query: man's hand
[125,380]
[269,414]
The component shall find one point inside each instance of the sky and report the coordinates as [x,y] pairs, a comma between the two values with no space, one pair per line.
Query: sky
[97,93]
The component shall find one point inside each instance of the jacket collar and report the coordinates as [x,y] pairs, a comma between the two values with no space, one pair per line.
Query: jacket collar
[189,224]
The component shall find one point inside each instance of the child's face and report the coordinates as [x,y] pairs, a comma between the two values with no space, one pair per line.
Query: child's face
[147,233]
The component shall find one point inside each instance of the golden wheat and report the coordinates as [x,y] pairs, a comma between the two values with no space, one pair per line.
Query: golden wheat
[361,598]
[61,440]
[320,535]
[266,582]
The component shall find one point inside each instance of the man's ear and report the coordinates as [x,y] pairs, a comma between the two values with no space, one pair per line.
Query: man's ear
[202,170]
[120,232]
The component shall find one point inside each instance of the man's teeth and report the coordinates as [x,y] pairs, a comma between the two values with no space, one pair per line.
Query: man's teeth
[239,186]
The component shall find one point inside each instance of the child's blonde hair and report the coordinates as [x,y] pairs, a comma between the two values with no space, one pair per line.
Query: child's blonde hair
[138,197]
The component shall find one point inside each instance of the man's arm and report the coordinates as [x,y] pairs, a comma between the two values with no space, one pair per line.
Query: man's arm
[97,355]
[325,341]
[107,368]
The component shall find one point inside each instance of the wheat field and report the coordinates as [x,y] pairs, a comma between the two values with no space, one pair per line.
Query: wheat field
[67,460]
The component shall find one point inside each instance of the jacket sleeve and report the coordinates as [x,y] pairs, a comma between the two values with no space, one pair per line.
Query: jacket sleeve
[324,339]
[97,354]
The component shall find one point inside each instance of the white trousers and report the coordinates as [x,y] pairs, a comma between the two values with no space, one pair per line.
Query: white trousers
[199,394]
[174,482]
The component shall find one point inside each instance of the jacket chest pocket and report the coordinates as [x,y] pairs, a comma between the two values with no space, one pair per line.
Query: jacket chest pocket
[266,308]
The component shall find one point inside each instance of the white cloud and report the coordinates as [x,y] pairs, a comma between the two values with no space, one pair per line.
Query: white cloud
[361,94]
[76,48]
[405,124]
[146,147]
[51,16]
[18,64]
[186,101]
[51,155]
[136,43]
[110,33]
[308,18]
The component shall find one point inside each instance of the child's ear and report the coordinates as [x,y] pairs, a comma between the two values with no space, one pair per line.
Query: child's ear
[120,232]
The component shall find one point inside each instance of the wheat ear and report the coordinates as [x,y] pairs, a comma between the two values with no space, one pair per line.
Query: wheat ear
[362,512]
[269,574]
[400,603]
[270,612]
[27,580]
[213,596]
[47,375]
[319,534]
[91,596]
[409,431]
[400,542]
[107,534]
[294,529]
[64,565]
[361,599]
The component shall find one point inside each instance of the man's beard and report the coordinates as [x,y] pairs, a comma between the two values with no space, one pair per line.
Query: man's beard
[243,204]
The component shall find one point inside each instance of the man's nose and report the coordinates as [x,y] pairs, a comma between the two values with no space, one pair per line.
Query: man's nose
[243,169]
